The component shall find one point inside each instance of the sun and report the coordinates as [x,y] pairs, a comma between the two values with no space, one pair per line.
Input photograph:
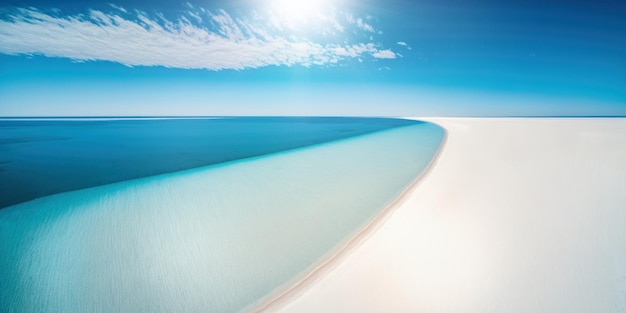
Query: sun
[294,10]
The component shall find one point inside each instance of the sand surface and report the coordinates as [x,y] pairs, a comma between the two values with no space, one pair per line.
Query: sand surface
[516,215]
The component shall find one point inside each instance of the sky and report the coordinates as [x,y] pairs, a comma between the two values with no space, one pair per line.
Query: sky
[312,57]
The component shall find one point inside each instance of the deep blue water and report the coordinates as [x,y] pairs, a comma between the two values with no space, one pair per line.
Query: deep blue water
[44,157]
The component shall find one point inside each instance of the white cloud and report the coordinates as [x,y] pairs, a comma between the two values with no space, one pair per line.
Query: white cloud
[215,41]
[360,23]
[401,43]
[350,18]
[195,16]
[355,50]
[364,26]
[118,8]
[384,54]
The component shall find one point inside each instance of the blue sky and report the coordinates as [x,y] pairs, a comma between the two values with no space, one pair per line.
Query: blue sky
[349,57]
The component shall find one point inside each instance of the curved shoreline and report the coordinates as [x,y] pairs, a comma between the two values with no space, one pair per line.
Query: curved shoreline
[185,241]
[519,215]
[279,300]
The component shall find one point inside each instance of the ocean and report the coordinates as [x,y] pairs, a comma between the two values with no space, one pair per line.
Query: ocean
[41,157]
[188,215]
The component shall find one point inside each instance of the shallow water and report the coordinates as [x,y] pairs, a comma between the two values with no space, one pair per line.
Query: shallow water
[210,239]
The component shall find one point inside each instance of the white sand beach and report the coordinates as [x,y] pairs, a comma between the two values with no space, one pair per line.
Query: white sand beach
[516,215]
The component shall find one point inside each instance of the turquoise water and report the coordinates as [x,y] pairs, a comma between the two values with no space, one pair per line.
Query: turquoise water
[44,157]
[211,239]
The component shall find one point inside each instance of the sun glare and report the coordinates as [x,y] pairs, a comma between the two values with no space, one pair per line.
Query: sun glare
[295,10]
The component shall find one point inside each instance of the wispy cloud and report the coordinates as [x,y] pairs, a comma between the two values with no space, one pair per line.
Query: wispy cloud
[118,7]
[364,26]
[404,44]
[360,23]
[198,39]
[384,54]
